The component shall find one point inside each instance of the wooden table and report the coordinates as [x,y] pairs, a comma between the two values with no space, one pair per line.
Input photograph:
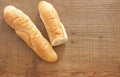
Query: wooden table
[93,49]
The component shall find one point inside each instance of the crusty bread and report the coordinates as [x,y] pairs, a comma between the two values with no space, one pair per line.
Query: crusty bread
[27,30]
[55,29]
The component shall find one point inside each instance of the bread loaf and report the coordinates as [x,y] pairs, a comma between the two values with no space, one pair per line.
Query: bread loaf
[53,25]
[27,30]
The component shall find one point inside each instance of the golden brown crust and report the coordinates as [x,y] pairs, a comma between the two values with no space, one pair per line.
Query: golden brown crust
[52,23]
[27,30]
[25,37]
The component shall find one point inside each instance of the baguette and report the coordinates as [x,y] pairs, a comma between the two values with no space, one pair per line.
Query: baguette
[55,29]
[27,30]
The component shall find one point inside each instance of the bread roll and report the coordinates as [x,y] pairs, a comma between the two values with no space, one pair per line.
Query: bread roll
[27,30]
[53,25]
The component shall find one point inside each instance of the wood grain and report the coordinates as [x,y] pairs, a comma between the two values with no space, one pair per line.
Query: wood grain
[93,49]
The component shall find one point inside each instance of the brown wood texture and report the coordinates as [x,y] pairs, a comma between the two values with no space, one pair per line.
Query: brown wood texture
[93,49]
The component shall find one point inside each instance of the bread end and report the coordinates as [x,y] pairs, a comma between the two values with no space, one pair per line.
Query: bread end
[8,8]
[60,40]
[53,57]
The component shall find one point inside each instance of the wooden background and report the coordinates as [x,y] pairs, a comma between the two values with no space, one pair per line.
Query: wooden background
[93,49]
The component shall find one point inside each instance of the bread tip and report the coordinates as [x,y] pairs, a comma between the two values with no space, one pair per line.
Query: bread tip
[59,41]
[9,7]
[43,2]
[53,58]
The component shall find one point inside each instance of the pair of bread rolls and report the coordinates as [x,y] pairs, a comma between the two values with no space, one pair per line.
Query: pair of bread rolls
[27,30]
